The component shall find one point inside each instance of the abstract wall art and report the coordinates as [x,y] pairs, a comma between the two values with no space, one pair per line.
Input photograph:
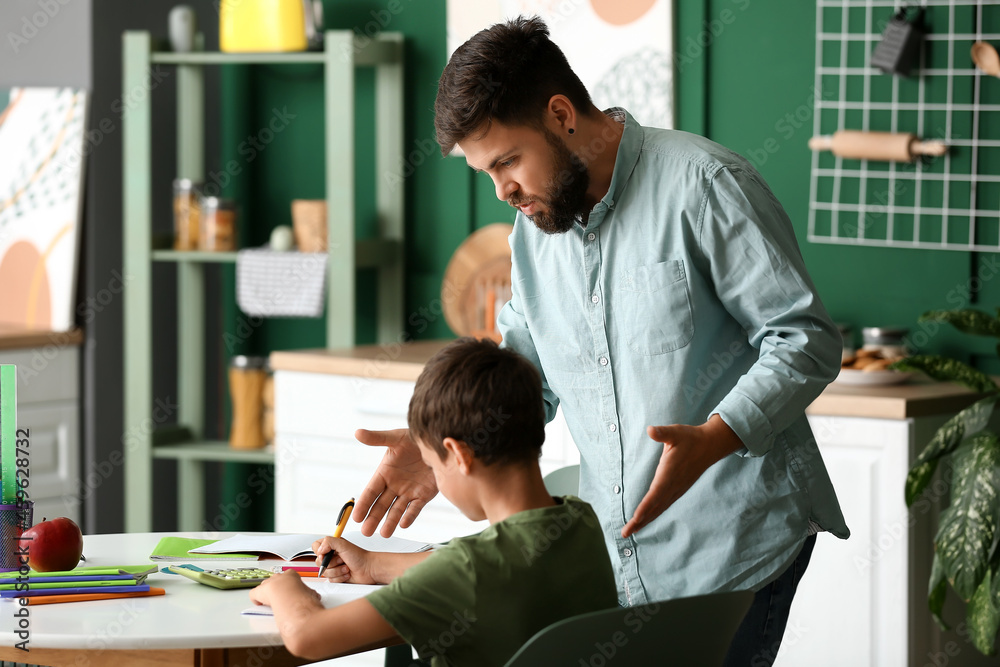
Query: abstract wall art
[41,181]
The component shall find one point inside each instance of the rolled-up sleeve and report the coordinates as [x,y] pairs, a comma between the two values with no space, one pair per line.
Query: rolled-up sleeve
[761,280]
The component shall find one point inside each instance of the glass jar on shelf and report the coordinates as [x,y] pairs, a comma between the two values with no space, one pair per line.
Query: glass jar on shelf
[218,224]
[187,210]
[247,377]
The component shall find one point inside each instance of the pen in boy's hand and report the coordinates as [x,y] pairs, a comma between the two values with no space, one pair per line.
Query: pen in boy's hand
[345,514]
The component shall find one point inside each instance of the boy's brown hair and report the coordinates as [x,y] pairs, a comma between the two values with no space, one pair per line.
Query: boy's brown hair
[506,73]
[487,397]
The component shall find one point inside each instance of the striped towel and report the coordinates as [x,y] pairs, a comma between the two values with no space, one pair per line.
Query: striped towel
[280,284]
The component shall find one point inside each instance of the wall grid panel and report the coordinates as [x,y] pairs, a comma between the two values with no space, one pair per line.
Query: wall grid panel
[949,202]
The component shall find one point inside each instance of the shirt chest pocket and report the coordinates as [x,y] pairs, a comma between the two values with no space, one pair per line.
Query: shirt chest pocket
[654,307]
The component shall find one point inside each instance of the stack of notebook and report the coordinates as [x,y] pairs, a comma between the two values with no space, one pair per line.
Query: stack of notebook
[81,584]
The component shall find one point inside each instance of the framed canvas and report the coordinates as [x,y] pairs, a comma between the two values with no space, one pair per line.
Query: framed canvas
[622,50]
[41,181]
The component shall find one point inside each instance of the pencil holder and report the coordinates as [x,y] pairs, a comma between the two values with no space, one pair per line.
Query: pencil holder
[15,518]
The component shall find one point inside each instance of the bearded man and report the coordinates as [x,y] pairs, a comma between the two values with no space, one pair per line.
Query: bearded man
[659,289]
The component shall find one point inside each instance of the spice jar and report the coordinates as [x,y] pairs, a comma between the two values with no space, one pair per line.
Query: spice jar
[891,341]
[218,224]
[186,214]
[246,388]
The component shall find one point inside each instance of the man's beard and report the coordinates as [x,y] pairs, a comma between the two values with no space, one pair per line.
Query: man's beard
[565,193]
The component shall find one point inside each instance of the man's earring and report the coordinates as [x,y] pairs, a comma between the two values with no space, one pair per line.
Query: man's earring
[571,130]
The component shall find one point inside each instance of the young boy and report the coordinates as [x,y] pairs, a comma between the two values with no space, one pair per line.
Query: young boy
[478,418]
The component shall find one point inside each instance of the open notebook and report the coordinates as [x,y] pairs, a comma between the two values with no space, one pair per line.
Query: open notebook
[290,547]
[286,547]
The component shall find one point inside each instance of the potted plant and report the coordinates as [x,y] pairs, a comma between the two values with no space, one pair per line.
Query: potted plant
[966,553]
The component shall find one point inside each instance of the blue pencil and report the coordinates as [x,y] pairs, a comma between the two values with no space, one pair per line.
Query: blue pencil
[66,591]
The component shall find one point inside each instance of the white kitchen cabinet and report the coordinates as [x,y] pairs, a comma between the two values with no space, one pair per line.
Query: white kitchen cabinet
[851,605]
[48,406]
[863,602]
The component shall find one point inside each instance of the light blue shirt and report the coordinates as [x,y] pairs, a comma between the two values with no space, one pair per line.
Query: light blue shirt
[683,296]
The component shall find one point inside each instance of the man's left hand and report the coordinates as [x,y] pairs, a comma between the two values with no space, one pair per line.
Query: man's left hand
[688,451]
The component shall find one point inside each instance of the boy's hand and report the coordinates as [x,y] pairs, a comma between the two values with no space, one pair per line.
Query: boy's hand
[401,486]
[283,589]
[350,565]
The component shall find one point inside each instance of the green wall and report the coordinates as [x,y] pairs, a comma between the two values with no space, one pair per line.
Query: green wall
[742,68]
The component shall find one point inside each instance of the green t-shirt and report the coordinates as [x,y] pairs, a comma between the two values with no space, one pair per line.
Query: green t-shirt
[477,600]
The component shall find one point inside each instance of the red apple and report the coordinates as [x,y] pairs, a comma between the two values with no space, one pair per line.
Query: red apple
[53,545]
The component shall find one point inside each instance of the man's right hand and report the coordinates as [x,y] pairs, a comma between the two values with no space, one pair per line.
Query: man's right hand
[401,486]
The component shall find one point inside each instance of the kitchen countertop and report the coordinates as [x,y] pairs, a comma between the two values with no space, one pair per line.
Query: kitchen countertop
[405,361]
[16,338]
[390,361]
[919,398]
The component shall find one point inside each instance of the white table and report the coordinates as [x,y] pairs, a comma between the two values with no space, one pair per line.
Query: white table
[191,624]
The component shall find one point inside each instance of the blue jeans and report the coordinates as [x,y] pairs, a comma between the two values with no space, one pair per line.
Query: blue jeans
[757,639]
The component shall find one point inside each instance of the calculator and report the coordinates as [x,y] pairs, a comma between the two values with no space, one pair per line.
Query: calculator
[237,577]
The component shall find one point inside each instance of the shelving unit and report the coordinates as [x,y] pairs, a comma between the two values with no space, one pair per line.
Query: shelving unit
[143,440]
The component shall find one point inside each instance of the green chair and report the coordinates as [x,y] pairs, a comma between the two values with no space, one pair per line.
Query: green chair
[564,481]
[685,632]
[400,655]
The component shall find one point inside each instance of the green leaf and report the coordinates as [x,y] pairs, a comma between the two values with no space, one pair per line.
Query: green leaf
[966,423]
[948,370]
[918,478]
[936,591]
[968,524]
[982,616]
[968,320]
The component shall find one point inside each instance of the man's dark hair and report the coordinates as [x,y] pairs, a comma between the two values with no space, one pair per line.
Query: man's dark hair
[488,397]
[506,73]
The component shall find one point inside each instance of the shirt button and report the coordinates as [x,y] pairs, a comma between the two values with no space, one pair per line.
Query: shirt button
[595,298]
[591,236]
[604,361]
[617,489]
[627,552]
[613,427]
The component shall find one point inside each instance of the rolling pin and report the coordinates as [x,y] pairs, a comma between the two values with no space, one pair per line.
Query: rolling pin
[886,146]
